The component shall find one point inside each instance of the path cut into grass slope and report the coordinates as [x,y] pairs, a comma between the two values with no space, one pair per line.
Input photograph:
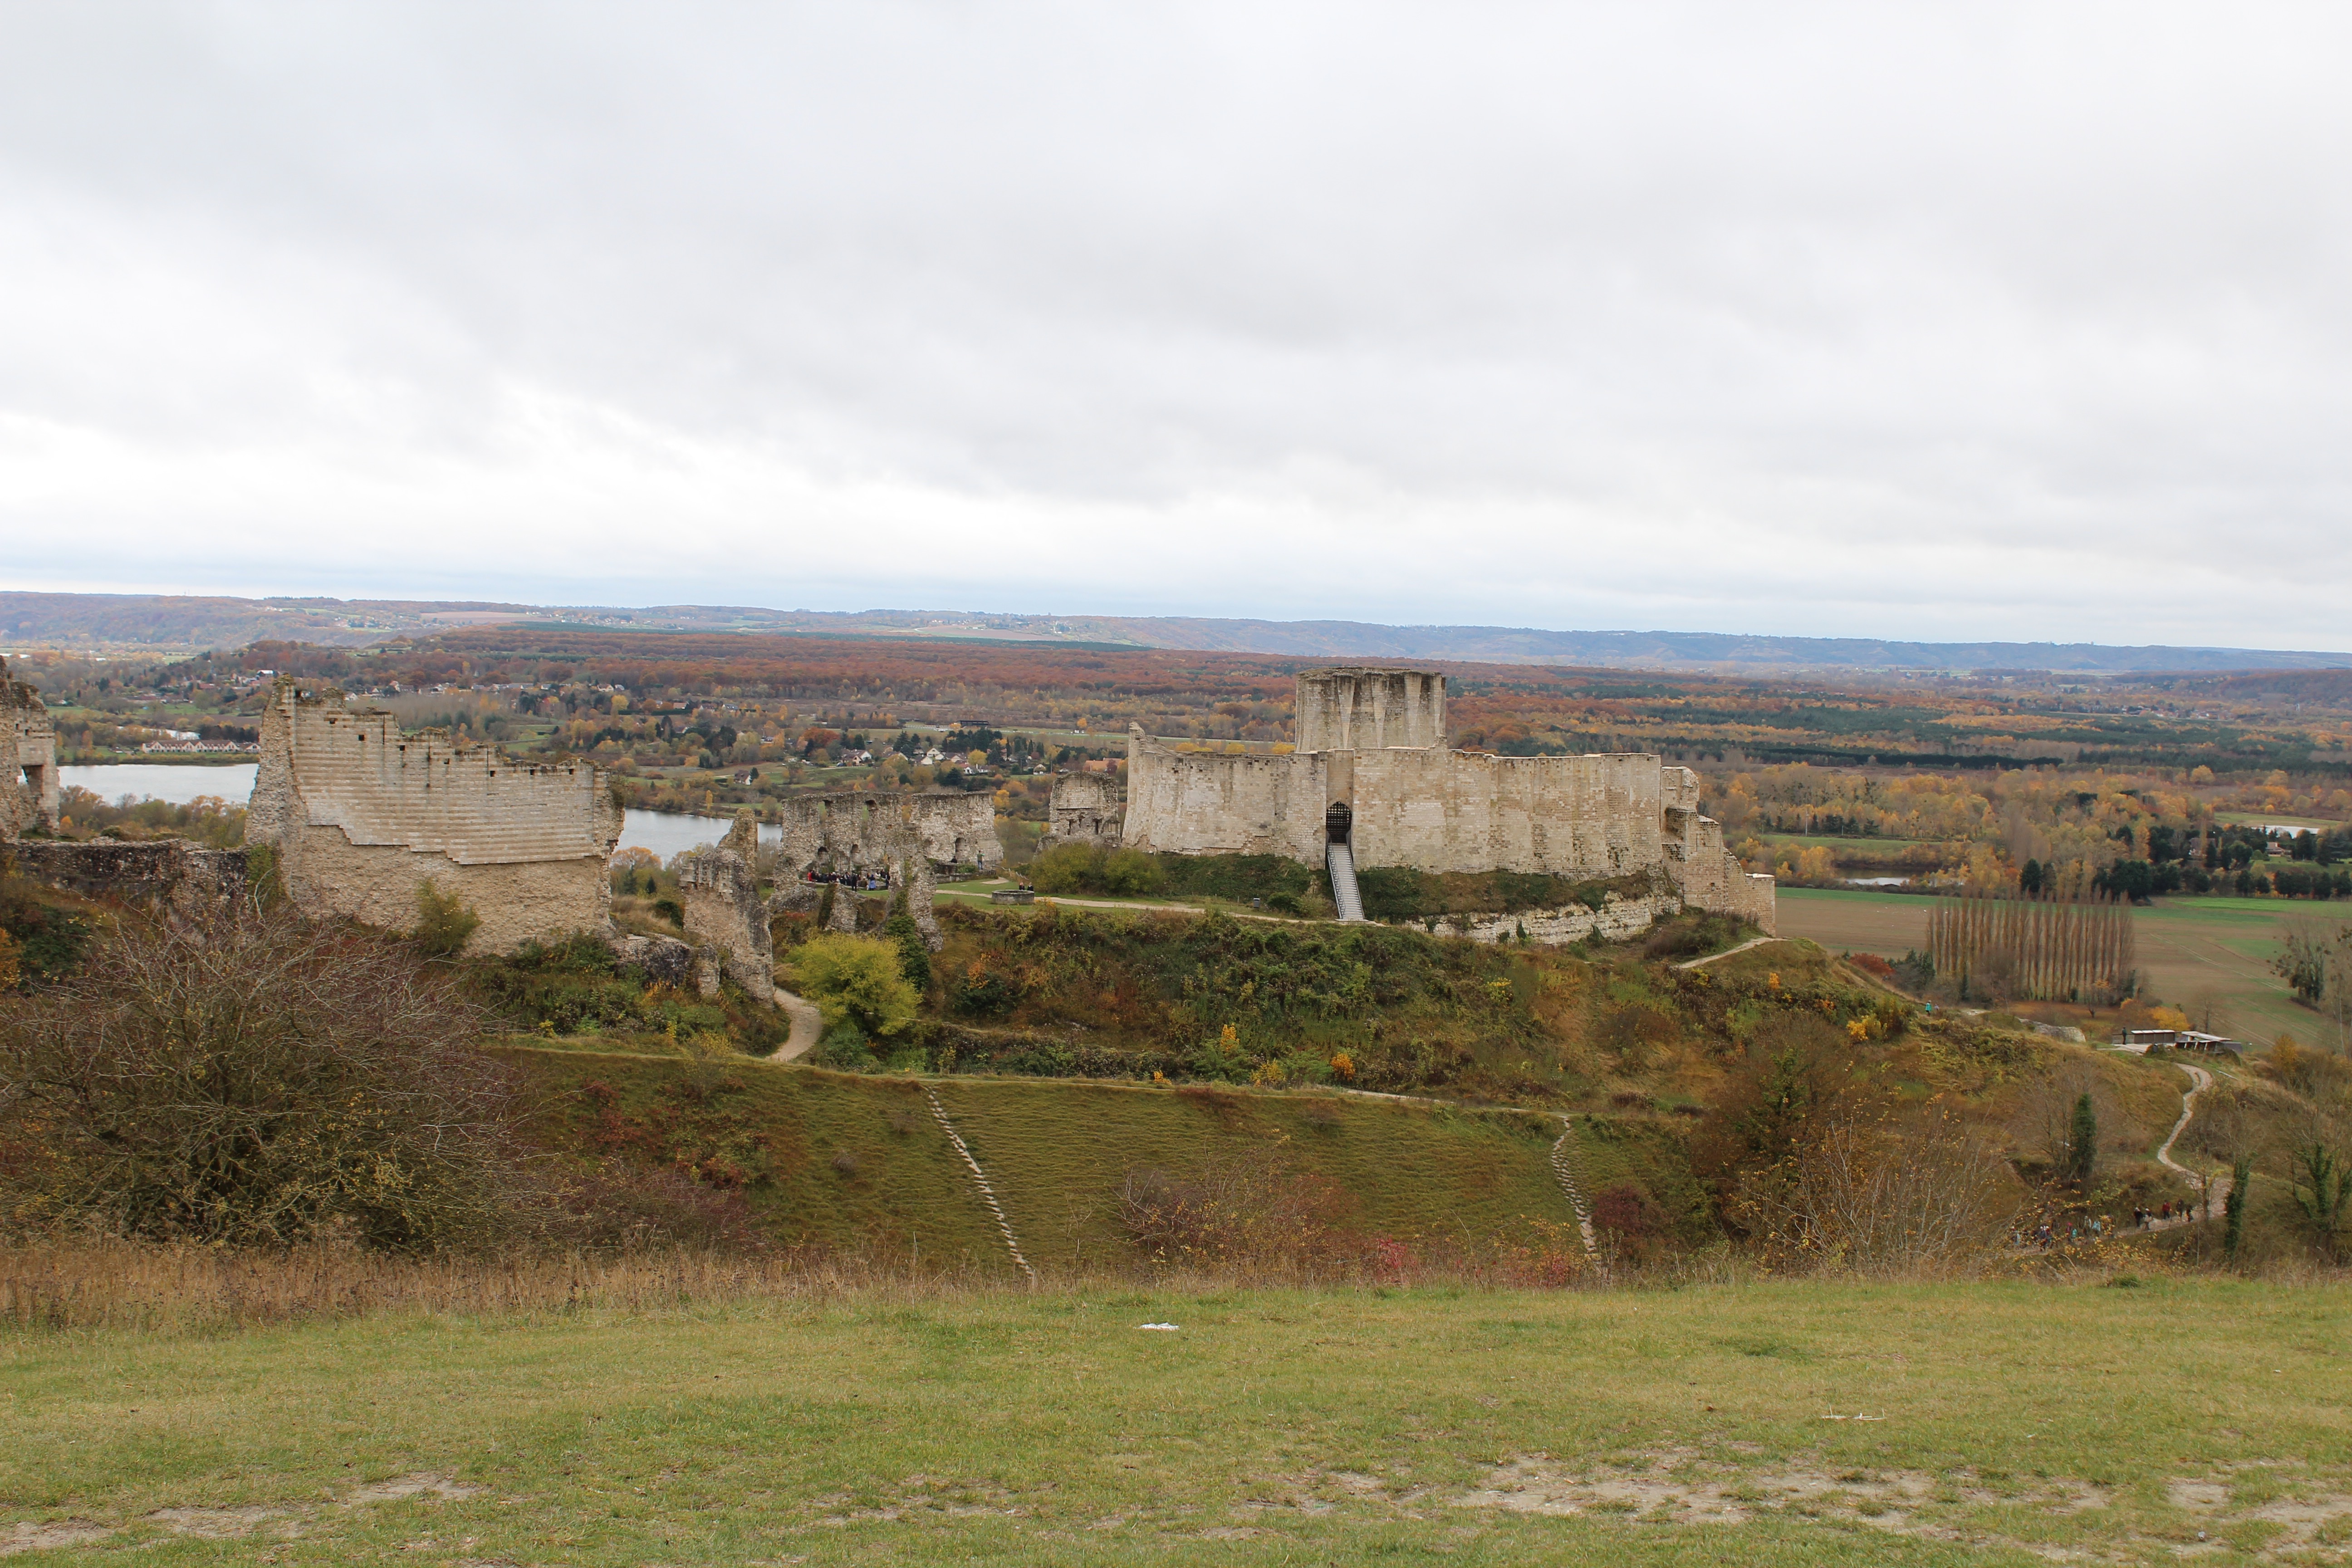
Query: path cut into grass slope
[1786,1423]
[859,1161]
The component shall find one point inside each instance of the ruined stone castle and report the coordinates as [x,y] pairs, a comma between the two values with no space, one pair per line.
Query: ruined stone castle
[360,815]
[1373,782]
[860,830]
[28,758]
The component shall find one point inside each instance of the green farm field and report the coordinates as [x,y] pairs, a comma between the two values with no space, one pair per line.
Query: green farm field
[1762,1425]
[2188,947]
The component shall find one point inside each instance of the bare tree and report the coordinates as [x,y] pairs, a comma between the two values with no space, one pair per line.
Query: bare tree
[258,1079]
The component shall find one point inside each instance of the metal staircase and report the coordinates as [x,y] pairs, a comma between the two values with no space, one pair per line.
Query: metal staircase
[1341,862]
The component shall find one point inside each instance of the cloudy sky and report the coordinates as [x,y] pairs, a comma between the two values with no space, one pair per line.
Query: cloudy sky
[1963,321]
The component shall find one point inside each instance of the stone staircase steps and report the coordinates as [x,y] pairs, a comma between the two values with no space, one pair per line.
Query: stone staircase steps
[979,1179]
[1563,1168]
[1340,862]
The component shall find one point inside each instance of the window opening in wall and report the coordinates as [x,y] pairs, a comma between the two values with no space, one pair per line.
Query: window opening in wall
[1336,820]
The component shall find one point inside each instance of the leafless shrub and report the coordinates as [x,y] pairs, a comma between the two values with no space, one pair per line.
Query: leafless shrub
[1873,1195]
[1247,1210]
[258,1079]
[619,1207]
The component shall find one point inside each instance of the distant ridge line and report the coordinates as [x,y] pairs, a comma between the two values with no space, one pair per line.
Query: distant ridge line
[180,623]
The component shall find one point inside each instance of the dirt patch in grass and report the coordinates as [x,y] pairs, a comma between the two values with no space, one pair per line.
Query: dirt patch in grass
[2183,1515]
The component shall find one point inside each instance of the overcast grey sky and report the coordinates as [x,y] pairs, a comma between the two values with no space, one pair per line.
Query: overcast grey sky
[1971,322]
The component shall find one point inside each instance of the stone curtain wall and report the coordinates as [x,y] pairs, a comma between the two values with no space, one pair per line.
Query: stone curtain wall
[1710,876]
[28,758]
[360,814]
[1413,802]
[1432,810]
[1206,803]
[859,831]
[1464,810]
[1086,808]
[1368,710]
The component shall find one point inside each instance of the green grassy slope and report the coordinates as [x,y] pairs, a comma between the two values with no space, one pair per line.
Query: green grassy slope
[850,1160]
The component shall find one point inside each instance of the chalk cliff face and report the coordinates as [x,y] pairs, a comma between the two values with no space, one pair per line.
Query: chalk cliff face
[1372,756]
[28,758]
[360,814]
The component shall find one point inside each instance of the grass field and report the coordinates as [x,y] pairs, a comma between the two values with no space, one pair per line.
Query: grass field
[1851,920]
[858,1161]
[2188,946]
[1762,1424]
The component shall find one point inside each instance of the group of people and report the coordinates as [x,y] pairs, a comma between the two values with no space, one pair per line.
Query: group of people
[2147,1219]
[856,881]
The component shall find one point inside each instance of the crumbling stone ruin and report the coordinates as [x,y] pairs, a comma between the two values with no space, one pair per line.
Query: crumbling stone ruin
[902,838]
[29,758]
[1373,784]
[855,830]
[725,914]
[1086,808]
[360,815]
[168,876]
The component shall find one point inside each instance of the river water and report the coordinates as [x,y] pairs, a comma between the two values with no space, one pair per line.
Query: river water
[666,832]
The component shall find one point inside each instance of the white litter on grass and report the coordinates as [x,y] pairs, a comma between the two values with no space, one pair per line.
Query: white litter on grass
[1164,1328]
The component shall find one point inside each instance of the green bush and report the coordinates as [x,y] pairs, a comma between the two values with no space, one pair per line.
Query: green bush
[1077,869]
[844,1047]
[444,922]
[1240,878]
[858,979]
[914,953]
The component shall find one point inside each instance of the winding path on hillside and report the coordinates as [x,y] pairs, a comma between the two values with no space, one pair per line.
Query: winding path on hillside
[1728,951]
[2215,1189]
[808,1028]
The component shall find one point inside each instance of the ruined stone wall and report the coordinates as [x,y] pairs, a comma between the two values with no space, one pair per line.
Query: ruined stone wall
[1710,876]
[863,831]
[1432,809]
[1464,810]
[1208,803]
[1086,808]
[724,912]
[28,758]
[360,815]
[1610,814]
[1614,921]
[1368,710]
[169,876]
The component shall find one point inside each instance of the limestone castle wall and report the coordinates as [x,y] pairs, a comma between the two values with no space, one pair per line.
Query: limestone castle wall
[1710,876]
[1368,710]
[848,830]
[1410,801]
[1207,803]
[28,758]
[360,815]
[1086,808]
[1442,810]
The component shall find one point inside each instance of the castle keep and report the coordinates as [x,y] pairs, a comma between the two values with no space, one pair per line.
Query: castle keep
[1373,784]
[360,815]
